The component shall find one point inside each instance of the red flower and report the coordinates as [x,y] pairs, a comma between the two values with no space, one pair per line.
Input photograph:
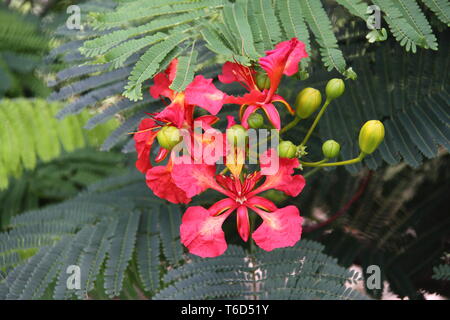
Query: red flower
[201,229]
[284,59]
[159,180]
[200,92]
[179,112]
[144,138]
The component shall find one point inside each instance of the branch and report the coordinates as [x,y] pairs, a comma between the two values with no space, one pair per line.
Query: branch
[362,187]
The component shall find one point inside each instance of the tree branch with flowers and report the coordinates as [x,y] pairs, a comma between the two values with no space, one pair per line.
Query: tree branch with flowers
[182,178]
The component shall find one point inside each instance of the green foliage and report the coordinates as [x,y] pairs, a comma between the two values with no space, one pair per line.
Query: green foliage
[57,180]
[239,30]
[408,93]
[394,218]
[116,226]
[29,133]
[22,45]
[441,8]
[441,272]
[101,230]
[140,44]
[301,272]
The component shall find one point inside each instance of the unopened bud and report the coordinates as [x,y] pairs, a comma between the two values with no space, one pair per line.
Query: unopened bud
[262,81]
[331,149]
[370,136]
[307,102]
[255,120]
[236,134]
[286,149]
[335,88]
[168,137]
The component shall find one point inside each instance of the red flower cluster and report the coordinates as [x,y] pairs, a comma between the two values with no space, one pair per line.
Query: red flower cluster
[183,178]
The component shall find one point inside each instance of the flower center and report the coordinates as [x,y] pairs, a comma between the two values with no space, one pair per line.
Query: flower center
[241,200]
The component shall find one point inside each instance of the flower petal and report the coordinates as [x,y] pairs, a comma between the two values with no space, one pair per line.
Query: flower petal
[163,80]
[234,72]
[207,121]
[202,233]
[277,98]
[251,97]
[230,121]
[283,179]
[243,223]
[191,177]
[173,113]
[202,92]
[272,114]
[143,142]
[281,228]
[248,111]
[159,180]
[160,86]
[261,203]
[284,59]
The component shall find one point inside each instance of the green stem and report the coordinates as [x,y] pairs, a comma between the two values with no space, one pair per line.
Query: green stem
[314,164]
[311,172]
[346,162]
[333,164]
[315,170]
[316,121]
[290,125]
[225,170]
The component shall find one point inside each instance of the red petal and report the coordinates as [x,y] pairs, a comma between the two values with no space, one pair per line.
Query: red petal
[202,92]
[261,203]
[193,178]
[159,180]
[252,97]
[230,121]
[273,115]
[171,70]
[143,142]
[162,154]
[283,179]
[277,98]
[243,223]
[284,59]
[202,233]
[281,228]
[234,72]
[207,121]
[160,86]
[173,113]
[248,111]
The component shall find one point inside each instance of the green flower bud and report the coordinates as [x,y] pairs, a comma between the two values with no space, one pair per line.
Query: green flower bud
[335,88]
[331,149]
[370,136]
[262,81]
[255,120]
[168,137]
[286,149]
[307,102]
[236,134]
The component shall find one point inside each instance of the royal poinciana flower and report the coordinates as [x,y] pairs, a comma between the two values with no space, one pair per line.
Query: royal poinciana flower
[191,174]
[200,92]
[159,178]
[201,229]
[284,59]
[179,113]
